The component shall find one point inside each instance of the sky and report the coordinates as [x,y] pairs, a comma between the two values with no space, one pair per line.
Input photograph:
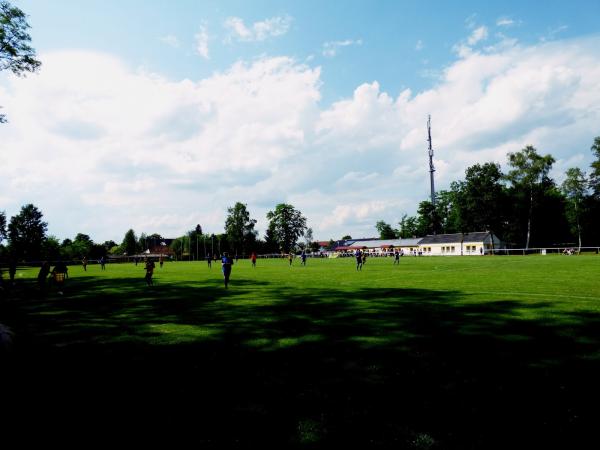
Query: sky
[159,115]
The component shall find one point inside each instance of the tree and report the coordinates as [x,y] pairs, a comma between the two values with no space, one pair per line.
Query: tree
[446,211]
[408,227]
[2,226]
[82,245]
[142,242]
[239,228]
[109,244]
[15,53]
[129,244]
[595,173]
[385,230]
[26,232]
[50,248]
[529,171]
[308,236]
[346,237]
[286,224]
[480,199]
[574,189]
[427,219]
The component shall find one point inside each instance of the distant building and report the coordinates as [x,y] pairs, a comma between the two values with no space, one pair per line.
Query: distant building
[377,246]
[478,243]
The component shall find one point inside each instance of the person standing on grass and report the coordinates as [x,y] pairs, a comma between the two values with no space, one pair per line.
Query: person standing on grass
[253,259]
[59,274]
[359,261]
[290,258]
[43,274]
[161,260]
[396,257]
[84,262]
[103,263]
[364,257]
[149,267]
[303,257]
[226,263]
[12,269]
[209,260]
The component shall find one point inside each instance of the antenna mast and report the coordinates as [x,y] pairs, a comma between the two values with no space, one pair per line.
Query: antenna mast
[431,168]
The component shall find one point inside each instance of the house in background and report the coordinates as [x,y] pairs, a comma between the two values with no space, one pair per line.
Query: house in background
[478,243]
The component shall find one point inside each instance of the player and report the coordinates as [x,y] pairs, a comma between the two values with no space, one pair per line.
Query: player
[359,261]
[226,263]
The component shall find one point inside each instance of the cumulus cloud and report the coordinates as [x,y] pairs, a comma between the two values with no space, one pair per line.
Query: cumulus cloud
[331,48]
[479,34]
[202,42]
[258,31]
[465,48]
[101,147]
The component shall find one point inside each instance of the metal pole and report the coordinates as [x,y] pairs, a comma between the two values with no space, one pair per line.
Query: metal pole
[431,167]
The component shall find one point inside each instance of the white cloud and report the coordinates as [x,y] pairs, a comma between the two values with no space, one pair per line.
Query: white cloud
[553,32]
[258,31]
[419,45]
[202,42]
[101,147]
[331,48]
[507,22]
[479,34]
[170,40]
[465,48]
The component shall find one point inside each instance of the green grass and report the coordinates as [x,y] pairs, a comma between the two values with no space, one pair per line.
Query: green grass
[472,352]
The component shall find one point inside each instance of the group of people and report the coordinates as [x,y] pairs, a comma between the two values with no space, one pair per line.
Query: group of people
[58,275]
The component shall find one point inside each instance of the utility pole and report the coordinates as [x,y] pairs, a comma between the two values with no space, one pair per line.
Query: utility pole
[431,168]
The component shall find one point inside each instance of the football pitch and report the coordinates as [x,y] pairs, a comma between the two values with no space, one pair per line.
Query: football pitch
[433,353]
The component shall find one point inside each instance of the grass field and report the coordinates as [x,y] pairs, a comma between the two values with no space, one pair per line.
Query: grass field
[436,353]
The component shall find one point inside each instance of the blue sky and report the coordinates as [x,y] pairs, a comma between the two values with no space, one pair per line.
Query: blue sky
[159,115]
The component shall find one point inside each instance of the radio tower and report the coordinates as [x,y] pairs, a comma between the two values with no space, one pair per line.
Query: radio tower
[431,168]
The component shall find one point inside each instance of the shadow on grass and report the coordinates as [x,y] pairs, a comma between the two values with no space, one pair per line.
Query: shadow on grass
[324,368]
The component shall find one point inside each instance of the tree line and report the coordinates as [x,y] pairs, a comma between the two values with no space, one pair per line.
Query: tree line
[524,206]
[26,237]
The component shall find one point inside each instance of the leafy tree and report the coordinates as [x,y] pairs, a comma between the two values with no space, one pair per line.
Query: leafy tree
[2,226]
[82,245]
[529,171]
[408,227]
[347,237]
[314,246]
[595,173]
[129,244]
[385,230]
[446,211]
[27,231]
[308,236]
[142,242]
[574,189]
[239,228]
[15,53]
[427,219]
[481,199]
[109,244]
[196,242]
[50,248]
[286,224]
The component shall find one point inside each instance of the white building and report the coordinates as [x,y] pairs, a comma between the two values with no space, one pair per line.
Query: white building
[378,247]
[479,243]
